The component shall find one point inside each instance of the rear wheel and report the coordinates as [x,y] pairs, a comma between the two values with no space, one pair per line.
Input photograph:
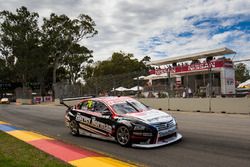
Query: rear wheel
[74,128]
[123,136]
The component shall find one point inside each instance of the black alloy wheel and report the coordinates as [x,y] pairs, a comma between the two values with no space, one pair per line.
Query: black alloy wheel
[123,136]
[74,128]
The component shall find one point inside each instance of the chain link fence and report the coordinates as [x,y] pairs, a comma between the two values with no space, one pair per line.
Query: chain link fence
[135,84]
[109,84]
[102,86]
[130,84]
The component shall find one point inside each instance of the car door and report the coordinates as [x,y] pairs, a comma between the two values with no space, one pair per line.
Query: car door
[102,118]
[95,117]
[84,114]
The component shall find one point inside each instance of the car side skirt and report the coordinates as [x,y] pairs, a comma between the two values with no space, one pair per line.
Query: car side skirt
[87,133]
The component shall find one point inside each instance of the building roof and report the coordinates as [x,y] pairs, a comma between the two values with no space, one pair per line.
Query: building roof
[236,61]
[194,56]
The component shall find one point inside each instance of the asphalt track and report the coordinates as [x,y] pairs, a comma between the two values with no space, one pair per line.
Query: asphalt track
[210,140]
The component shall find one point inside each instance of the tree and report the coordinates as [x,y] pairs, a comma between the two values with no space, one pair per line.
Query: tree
[73,61]
[88,71]
[241,72]
[2,68]
[120,70]
[29,53]
[120,63]
[61,34]
[146,59]
[20,42]
[6,63]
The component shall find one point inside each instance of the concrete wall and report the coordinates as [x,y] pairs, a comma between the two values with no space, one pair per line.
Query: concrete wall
[228,105]
[231,105]
[24,101]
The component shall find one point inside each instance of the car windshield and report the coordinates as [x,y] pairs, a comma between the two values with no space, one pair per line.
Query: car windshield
[129,107]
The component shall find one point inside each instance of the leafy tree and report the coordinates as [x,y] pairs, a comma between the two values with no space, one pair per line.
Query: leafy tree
[73,61]
[88,71]
[61,34]
[120,70]
[2,68]
[6,63]
[29,53]
[146,59]
[241,72]
[19,34]
[120,63]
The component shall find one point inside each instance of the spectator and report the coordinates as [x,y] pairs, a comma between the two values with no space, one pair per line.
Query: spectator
[184,95]
[190,93]
[208,90]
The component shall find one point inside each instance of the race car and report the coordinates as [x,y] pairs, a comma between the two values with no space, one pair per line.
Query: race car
[121,119]
[4,101]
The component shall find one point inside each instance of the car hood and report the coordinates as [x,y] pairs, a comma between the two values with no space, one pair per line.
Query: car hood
[151,116]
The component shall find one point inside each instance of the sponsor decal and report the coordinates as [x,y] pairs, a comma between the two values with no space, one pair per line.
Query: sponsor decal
[193,67]
[201,66]
[93,122]
[83,119]
[152,116]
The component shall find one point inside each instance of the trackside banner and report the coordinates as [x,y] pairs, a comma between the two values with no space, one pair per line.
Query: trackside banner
[192,67]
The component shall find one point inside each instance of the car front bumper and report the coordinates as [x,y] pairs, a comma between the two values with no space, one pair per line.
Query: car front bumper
[167,141]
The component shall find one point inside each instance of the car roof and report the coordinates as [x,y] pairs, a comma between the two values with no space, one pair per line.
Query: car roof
[112,99]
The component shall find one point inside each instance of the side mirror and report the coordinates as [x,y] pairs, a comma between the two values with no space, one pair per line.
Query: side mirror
[106,113]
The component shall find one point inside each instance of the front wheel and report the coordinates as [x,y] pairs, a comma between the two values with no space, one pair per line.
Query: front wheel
[74,128]
[123,136]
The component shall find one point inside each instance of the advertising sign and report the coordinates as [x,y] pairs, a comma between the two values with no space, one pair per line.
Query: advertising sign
[47,98]
[227,81]
[37,99]
[192,67]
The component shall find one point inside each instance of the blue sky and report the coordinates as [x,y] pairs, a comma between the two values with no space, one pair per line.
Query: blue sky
[159,29]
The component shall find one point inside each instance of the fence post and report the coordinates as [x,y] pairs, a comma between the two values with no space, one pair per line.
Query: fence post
[138,84]
[210,87]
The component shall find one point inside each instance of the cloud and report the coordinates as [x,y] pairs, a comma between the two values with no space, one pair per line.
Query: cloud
[205,25]
[155,28]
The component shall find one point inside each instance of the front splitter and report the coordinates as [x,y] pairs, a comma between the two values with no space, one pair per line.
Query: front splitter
[162,143]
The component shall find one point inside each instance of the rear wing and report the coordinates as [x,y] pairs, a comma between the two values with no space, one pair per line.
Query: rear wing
[62,101]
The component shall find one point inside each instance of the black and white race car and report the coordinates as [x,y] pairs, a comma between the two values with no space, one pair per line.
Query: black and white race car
[122,119]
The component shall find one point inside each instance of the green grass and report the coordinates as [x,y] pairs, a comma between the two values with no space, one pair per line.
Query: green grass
[16,153]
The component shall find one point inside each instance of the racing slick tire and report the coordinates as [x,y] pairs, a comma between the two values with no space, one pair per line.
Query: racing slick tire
[123,136]
[74,128]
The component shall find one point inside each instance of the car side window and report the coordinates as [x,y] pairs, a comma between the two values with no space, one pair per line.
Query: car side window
[86,105]
[101,107]
[82,105]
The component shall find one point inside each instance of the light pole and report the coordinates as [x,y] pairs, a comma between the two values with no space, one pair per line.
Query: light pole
[210,85]
[168,72]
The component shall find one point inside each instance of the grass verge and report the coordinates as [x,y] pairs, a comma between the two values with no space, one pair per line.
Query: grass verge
[16,153]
